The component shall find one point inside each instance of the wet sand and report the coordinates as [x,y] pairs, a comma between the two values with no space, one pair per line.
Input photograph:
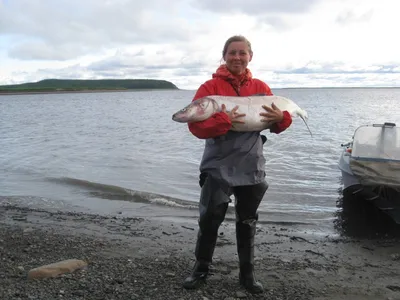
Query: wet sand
[135,258]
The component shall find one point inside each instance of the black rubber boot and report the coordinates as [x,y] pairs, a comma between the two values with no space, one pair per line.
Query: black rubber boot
[205,245]
[204,251]
[198,275]
[245,232]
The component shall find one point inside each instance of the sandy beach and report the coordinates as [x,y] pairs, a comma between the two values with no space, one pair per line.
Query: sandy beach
[135,258]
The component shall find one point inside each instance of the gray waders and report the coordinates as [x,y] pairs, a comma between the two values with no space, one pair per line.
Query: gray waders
[213,206]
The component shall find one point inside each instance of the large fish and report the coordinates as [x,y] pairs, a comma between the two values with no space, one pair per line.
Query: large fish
[203,108]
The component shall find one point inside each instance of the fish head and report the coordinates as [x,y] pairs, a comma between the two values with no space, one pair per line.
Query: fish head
[198,110]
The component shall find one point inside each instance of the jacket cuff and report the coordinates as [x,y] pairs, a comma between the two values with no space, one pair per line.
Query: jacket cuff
[282,125]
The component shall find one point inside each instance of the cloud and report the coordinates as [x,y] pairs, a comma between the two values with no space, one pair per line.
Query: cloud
[40,50]
[132,63]
[335,74]
[256,7]
[350,16]
[331,80]
[295,42]
[169,59]
[278,23]
[341,68]
[61,30]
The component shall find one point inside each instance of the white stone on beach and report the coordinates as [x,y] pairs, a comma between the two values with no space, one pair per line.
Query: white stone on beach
[56,269]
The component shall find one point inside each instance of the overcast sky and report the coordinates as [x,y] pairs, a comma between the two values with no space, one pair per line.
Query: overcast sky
[296,43]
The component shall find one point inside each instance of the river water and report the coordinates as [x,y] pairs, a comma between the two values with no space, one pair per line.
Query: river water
[120,153]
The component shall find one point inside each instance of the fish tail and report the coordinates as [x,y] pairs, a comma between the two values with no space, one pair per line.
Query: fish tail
[305,122]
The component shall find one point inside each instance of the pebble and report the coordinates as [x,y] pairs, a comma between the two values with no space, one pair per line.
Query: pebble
[117,272]
[21,268]
[240,295]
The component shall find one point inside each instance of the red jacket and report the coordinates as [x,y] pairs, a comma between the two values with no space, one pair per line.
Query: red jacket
[225,84]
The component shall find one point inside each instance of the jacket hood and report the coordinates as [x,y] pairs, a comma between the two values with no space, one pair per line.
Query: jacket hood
[236,80]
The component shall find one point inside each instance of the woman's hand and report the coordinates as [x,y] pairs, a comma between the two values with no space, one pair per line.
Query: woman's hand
[273,114]
[233,115]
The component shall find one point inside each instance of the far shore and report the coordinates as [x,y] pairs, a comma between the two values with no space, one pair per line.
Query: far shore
[83,91]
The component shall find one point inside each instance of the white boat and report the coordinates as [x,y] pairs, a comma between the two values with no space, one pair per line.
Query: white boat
[370,166]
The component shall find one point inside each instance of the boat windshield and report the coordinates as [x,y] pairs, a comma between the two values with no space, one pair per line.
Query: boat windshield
[375,156]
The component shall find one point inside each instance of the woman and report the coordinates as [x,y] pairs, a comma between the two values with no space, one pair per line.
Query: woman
[232,163]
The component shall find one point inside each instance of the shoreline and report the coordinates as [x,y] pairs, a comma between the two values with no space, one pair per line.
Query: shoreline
[168,89]
[84,91]
[137,258]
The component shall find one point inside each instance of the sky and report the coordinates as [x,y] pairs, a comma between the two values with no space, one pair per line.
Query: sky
[296,43]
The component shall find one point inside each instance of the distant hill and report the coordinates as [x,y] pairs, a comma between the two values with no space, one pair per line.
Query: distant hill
[73,85]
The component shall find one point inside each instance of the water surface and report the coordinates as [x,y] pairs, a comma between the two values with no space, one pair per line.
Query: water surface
[122,153]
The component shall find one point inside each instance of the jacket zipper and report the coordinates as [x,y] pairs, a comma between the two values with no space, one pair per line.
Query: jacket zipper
[236,90]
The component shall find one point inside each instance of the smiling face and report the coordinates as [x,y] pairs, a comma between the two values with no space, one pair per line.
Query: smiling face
[237,56]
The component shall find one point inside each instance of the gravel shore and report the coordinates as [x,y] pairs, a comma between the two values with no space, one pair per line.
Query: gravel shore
[134,258]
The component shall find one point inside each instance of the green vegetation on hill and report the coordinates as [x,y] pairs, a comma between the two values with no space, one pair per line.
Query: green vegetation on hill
[61,85]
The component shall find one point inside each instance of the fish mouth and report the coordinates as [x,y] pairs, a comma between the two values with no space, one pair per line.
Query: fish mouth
[180,117]
[177,117]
